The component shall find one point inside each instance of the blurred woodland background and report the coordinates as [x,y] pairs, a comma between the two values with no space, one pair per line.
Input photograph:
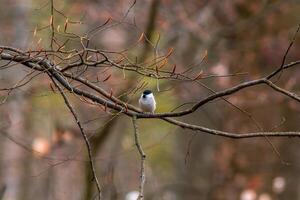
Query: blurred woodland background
[43,156]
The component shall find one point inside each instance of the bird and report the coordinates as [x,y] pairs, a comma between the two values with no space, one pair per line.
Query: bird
[147,101]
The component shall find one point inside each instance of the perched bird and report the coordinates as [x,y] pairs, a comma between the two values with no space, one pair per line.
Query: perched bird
[147,101]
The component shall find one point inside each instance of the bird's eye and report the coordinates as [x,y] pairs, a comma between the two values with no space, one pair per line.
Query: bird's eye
[144,96]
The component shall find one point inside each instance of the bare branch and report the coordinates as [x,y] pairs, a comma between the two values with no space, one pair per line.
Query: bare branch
[88,145]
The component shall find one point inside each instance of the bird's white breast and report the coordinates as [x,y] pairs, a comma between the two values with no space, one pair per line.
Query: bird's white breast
[148,103]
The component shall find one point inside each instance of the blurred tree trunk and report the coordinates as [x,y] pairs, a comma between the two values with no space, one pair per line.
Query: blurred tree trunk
[13,154]
[196,147]
[150,28]
[97,142]
[194,160]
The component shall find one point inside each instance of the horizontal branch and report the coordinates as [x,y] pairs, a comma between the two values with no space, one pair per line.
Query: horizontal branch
[108,100]
[231,134]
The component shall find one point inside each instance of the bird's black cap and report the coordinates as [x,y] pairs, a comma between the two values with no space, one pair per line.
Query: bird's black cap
[146,92]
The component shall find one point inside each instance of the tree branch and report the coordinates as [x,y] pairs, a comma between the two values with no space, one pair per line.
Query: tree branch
[143,158]
[43,64]
[88,145]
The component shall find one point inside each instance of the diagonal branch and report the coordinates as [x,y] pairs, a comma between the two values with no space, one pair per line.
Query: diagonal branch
[283,91]
[88,145]
[279,69]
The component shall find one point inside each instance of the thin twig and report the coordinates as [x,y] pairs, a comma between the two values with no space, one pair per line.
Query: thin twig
[279,69]
[143,158]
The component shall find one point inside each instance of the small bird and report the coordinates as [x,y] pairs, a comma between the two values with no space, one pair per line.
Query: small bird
[147,101]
